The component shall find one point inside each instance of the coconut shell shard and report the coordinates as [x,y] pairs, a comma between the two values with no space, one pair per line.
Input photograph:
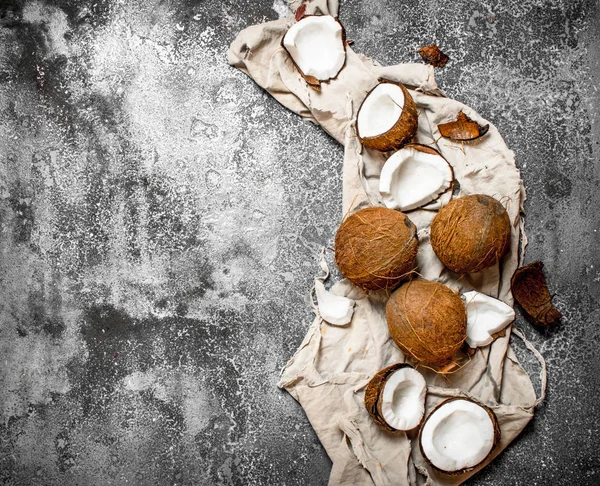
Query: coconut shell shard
[432,55]
[529,288]
[463,129]
[413,177]
[486,317]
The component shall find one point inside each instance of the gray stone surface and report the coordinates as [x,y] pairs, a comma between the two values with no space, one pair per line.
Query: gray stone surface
[160,219]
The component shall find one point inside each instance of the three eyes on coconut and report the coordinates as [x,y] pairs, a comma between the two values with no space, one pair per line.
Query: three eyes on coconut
[376,249]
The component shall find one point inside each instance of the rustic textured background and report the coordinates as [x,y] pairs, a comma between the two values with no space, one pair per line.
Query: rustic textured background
[160,219]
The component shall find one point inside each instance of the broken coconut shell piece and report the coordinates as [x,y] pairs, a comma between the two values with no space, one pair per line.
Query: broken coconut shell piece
[387,117]
[459,435]
[428,322]
[432,55]
[529,288]
[395,397]
[316,45]
[334,309]
[470,233]
[486,317]
[463,129]
[414,176]
[376,248]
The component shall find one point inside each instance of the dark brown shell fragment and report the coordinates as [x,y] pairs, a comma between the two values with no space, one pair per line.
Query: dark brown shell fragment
[529,288]
[463,129]
[432,55]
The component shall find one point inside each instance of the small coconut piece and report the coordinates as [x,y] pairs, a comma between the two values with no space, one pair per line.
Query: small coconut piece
[470,233]
[529,288]
[427,320]
[414,176]
[376,248]
[463,129]
[387,117]
[486,316]
[317,47]
[432,55]
[335,309]
[395,397]
[459,435]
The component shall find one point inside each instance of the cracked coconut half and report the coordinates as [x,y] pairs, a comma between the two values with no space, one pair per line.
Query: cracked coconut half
[317,47]
[486,317]
[395,397]
[414,176]
[387,117]
[459,435]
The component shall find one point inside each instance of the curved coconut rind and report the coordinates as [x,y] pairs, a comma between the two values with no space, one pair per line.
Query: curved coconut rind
[529,288]
[496,439]
[334,309]
[373,392]
[463,129]
[470,255]
[486,318]
[403,130]
[432,55]
[386,195]
[311,80]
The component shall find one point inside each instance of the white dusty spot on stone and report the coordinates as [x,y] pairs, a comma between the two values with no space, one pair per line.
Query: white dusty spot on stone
[139,381]
[282,9]
[55,25]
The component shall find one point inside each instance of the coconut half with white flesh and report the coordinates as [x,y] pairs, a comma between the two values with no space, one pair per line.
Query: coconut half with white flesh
[317,47]
[387,117]
[395,397]
[459,435]
[486,316]
[414,176]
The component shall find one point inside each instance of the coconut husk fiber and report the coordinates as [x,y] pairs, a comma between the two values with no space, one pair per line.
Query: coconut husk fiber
[330,370]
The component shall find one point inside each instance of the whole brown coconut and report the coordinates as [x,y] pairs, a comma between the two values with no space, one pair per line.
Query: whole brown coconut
[376,248]
[427,320]
[470,233]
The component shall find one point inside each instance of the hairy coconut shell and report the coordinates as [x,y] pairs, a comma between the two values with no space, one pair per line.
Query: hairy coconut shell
[428,321]
[432,55]
[402,131]
[470,233]
[373,393]
[496,440]
[376,248]
[463,129]
[529,288]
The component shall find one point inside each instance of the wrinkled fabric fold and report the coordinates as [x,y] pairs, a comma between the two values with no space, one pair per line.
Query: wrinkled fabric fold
[330,369]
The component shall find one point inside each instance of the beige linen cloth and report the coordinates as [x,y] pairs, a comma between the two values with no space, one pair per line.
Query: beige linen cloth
[329,371]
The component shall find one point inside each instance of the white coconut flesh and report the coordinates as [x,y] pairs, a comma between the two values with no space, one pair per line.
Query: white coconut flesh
[316,45]
[335,309]
[380,110]
[403,399]
[411,178]
[458,435]
[485,317]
